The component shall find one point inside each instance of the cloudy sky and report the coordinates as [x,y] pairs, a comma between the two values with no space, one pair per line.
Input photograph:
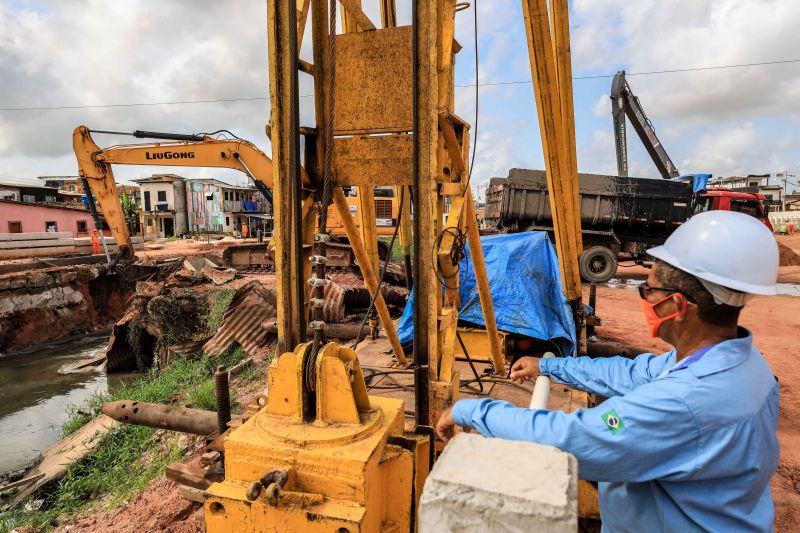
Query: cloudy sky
[70,53]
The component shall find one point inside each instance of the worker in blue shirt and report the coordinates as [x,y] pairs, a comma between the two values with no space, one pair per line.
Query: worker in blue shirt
[686,440]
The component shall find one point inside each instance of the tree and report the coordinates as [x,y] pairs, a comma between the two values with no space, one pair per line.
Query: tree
[129,207]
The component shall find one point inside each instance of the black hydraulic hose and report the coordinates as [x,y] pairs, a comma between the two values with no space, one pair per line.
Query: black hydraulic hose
[167,136]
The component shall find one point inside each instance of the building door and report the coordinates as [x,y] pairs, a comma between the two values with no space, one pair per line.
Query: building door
[169,227]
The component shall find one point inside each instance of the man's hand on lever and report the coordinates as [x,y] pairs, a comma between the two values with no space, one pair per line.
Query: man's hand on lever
[524,369]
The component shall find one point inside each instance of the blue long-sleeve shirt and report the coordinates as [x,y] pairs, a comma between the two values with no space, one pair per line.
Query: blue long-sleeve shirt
[688,450]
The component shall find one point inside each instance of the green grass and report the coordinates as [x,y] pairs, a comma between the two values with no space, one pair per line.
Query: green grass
[218,304]
[397,250]
[116,469]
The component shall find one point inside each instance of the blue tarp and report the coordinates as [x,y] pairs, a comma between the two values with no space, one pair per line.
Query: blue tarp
[699,181]
[525,283]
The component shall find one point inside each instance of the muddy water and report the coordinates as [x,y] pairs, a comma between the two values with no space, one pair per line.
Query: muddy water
[34,396]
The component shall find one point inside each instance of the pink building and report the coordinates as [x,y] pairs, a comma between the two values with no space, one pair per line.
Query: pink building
[25,217]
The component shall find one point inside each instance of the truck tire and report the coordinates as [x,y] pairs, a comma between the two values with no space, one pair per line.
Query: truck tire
[598,264]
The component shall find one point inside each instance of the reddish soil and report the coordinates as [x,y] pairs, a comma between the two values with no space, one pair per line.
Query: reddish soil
[773,321]
[159,507]
[788,256]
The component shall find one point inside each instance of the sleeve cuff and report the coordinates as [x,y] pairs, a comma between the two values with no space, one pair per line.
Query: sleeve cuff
[463,409]
[548,364]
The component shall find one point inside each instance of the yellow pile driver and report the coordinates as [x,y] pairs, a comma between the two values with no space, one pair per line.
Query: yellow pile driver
[320,454]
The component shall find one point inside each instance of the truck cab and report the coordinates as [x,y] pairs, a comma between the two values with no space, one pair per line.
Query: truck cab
[725,199]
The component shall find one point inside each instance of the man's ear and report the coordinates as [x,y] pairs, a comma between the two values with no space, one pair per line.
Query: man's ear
[681,303]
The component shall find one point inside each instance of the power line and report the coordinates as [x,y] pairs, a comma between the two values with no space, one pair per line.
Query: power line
[652,72]
[485,84]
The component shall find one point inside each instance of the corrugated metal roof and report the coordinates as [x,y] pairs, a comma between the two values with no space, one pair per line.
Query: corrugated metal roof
[251,305]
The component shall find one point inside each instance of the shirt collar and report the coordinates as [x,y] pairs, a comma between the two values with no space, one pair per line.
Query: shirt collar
[725,355]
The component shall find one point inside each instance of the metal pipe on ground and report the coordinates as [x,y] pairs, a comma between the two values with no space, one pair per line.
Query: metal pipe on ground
[332,330]
[181,419]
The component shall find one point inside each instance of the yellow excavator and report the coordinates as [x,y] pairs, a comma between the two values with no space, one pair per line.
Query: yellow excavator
[204,150]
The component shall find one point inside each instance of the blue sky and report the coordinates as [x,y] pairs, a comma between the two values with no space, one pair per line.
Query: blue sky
[728,121]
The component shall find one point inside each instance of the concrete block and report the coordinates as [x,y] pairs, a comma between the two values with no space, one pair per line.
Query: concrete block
[35,236]
[48,243]
[480,484]
[36,252]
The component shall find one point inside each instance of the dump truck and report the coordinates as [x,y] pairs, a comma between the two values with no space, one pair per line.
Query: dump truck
[621,217]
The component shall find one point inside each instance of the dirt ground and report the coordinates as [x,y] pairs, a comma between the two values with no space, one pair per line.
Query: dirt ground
[775,322]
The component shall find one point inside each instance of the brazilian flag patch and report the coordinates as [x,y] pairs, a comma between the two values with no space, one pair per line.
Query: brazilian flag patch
[613,422]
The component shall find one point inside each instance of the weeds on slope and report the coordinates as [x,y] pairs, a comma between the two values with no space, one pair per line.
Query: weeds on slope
[130,456]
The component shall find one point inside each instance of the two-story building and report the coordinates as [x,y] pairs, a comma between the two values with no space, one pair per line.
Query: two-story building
[220,207]
[163,204]
[768,185]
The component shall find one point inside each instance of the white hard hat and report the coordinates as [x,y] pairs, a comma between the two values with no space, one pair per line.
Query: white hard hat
[727,248]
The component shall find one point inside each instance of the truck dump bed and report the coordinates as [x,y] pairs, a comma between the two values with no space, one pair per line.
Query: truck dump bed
[521,201]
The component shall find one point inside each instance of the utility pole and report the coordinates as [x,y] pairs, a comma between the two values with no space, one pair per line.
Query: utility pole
[785,175]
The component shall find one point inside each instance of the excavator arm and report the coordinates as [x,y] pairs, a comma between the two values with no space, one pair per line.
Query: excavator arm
[625,103]
[94,163]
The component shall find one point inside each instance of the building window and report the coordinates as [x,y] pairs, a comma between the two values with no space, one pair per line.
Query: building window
[51,226]
[162,196]
[227,220]
[147,200]
[82,227]
[226,196]
[28,198]
[15,227]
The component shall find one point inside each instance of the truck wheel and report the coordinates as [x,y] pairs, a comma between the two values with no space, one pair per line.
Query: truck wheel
[598,264]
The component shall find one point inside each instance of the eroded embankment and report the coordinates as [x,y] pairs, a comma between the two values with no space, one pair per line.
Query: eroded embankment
[38,306]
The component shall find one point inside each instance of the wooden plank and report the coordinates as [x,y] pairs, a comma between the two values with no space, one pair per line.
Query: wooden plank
[21,482]
[187,475]
[372,89]
[59,457]
[192,494]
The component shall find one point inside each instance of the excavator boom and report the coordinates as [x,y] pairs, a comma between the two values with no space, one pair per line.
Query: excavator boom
[625,103]
[94,163]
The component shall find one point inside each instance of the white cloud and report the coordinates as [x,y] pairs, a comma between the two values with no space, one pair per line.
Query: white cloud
[651,35]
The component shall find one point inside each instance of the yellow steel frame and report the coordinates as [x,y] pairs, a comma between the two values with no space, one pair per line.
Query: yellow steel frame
[333,439]
[382,145]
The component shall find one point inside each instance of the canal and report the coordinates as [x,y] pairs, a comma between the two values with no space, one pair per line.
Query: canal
[35,395]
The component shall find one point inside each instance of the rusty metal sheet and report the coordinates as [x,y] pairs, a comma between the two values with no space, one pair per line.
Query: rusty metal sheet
[333,308]
[373,82]
[251,305]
